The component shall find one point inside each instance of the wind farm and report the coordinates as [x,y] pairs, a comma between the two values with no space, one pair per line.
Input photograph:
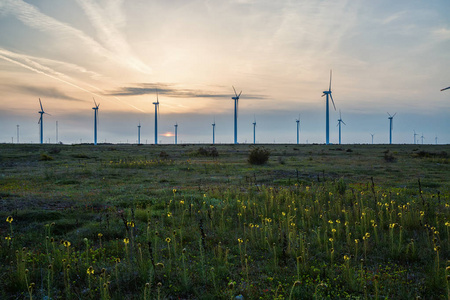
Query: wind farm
[160,203]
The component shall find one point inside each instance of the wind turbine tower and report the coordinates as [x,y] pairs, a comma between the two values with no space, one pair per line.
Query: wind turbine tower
[95,108]
[435,140]
[372,134]
[156,117]
[41,121]
[390,126]
[214,131]
[176,132]
[298,129]
[57,132]
[415,134]
[339,124]
[236,100]
[422,137]
[17,134]
[254,131]
[327,126]
[139,133]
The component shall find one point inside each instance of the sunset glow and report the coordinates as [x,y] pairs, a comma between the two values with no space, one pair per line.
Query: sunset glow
[385,57]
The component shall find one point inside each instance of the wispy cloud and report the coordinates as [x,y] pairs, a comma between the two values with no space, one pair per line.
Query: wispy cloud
[27,63]
[31,16]
[106,21]
[442,33]
[171,90]
[43,92]
[392,18]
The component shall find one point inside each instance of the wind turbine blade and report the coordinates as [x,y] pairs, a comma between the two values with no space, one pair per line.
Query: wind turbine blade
[330,80]
[389,114]
[343,122]
[394,115]
[340,117]
[445,88]
[332,101]
[95,103]
[41,104]
[47,114]
[234,91]
[239,94]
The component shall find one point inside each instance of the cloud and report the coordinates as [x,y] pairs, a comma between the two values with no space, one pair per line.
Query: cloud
[42,92]
[31,16]
[106,20]
[174,92]
[442,33]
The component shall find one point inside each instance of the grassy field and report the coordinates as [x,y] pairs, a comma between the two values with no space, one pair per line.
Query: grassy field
[192,222]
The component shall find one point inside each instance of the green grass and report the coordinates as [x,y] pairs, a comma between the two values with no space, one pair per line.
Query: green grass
[316,221]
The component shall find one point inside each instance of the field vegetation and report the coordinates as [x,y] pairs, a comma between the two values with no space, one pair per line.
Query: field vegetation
[202,222]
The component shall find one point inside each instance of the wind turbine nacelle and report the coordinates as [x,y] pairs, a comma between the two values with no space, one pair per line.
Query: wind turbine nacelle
[326,92]
[235,98]
[155,103]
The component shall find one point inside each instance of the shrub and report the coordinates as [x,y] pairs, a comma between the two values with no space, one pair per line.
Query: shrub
[211,151]
[258,156]
[45,157]
[54,150]
[163,155]
[389,156]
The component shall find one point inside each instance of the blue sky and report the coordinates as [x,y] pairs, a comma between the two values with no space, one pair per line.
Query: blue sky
[386,56]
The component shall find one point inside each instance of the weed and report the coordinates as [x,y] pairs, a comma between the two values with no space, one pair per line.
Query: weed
[258,156]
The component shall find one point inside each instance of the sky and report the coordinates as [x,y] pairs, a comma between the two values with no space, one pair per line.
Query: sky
[385,56]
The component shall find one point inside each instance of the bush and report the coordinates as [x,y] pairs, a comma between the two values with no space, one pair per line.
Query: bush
[258,156]
[54,150]
[211,151]
[163,155]
[45,157]
[389,157]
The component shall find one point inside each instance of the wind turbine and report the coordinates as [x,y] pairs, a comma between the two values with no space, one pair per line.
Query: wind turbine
[254,131]
[422,137]
[436,139]
[95,108]
[139,133]
[236,100]
[41,121]
[445,88]
[390,126]
[372,134]
[214,130]
[339,124]
[176,132]
[415,134]
[328,94]
[156,117]
[17,134]
[298,129]
[57,132]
